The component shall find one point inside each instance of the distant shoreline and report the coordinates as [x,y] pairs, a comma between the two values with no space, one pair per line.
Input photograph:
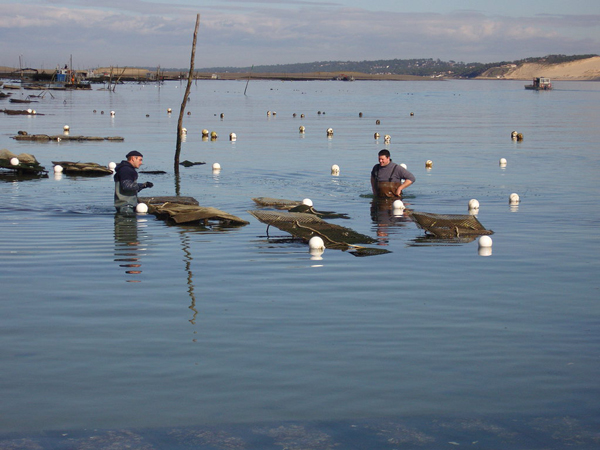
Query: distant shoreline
[581,70]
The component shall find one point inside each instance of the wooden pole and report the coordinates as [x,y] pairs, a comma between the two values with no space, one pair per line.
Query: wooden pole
[185,97]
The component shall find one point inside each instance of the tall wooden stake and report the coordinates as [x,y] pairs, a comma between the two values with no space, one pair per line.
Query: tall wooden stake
[185,97]
[248,79]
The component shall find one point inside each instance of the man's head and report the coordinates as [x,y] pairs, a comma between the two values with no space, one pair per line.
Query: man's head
[135,158]
[384,157]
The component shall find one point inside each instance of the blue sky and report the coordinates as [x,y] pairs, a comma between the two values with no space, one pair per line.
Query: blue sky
[45,33]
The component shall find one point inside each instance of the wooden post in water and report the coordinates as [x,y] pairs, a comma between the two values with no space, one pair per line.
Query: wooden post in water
[185,97]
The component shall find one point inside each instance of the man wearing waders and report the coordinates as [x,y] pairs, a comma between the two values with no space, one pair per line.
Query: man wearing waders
[389,179]
[126,185]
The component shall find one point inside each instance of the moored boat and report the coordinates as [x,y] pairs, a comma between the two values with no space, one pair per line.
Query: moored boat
[540,84]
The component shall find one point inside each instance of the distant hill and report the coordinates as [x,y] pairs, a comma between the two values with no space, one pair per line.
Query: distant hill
[582,69]
[414,67]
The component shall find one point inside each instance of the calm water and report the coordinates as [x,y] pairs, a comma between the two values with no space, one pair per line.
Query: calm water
[113,323]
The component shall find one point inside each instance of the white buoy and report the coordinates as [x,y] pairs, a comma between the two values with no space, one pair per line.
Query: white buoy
[514,135]
[307,202]
[335,169]
[316,243]
[216,166]
[502,161]
[398,204]
[169,110]
[184,131]
[112,113]
[205,132]
[232,136]
[485,241]
[29,111]
[473,204]
[329,131]
[514,199]
[302,129]
[141,208]
[112,165]
[66,128]
[376,135]
[429,164]
[58,168]
[213,135]
[387,139]
[15,161]
[404,165]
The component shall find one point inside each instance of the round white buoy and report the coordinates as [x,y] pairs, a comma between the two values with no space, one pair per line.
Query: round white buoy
[216,166]
[398,204]
[502,161]
[335,169]
[112,113]
[514,199]
[184,131]
[15,161]
[141,208]
[513,134]
[169,111]
[29,111]
[112,165]
[473,204]
[66,128]
[58,168]
[213,135]
[429,164]
[387,139]
[302,129]
[307,202]
[205,132]
[485,241]
[232,137]
[376,135]
[315,243]
[404,165]
[329,131]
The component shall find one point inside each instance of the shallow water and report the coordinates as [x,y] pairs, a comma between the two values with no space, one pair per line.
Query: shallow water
[109,322]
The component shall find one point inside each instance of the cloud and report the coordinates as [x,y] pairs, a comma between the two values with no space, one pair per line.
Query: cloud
[276,32]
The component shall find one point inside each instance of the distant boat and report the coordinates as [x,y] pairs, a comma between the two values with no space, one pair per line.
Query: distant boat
[539,84]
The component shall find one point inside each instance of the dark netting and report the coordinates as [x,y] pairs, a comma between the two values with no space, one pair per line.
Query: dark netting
[305,226]
[278,203]
[449,225]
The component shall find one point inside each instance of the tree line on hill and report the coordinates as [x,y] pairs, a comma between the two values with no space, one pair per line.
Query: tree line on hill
[424,67]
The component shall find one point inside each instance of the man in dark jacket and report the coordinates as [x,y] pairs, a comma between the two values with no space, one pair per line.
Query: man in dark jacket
[389,179]
[126,185]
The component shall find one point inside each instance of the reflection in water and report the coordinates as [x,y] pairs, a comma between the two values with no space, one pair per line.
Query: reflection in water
[185,246]
[127,246]
[384,216]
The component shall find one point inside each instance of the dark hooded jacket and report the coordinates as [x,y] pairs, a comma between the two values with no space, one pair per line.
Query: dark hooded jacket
[126,185]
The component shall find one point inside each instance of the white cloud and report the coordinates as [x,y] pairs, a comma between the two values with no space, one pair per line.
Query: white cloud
[276,33]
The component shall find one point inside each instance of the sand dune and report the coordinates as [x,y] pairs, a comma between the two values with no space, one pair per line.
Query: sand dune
[584,70]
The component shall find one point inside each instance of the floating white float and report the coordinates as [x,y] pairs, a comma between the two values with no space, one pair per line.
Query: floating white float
[473,204]
[316,243]
[307,202]
[15,161]
[485,242]
[141,208]
[514,199]
[58,168]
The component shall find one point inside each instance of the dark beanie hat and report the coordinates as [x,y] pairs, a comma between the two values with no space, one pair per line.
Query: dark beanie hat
[133,153]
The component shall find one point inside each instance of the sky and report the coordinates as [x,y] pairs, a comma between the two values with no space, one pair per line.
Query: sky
[241,33]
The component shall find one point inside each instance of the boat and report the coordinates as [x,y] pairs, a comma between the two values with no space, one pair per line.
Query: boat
[540,84]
